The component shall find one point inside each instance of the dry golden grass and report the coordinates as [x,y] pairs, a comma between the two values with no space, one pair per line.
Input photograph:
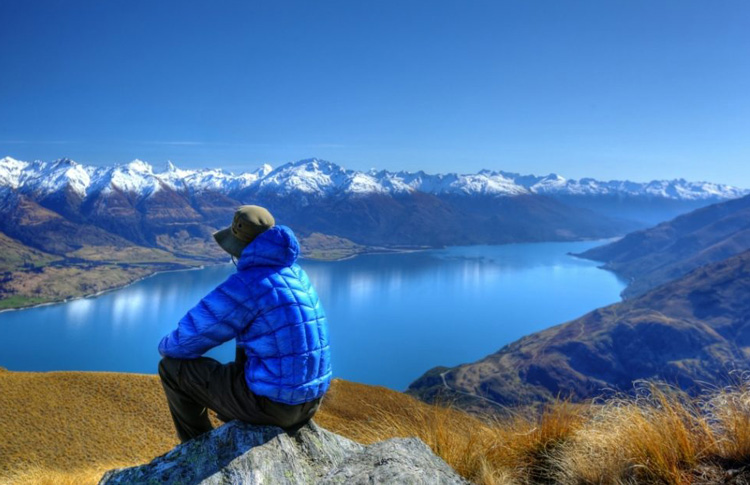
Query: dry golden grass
[660,437]
[78,424]
[70,427]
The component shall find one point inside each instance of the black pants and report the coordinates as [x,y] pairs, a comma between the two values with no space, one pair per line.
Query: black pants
[194,385]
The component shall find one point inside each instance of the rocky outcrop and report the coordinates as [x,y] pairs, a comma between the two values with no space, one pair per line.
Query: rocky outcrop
[240,453]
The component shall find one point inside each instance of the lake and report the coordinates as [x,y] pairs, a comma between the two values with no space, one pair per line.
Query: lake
[391,316]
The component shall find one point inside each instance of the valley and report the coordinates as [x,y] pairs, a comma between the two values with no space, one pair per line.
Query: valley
[684,322]
[72,230]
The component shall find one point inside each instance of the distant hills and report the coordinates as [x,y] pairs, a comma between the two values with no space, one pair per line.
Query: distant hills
[654,256]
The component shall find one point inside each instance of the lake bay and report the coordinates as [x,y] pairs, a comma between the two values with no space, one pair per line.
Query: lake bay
[391,316]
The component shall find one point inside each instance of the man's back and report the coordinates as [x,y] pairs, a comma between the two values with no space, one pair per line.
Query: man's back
[274,312]
[283,365]
[287,342]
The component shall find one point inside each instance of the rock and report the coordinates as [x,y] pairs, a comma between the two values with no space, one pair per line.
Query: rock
[241,453]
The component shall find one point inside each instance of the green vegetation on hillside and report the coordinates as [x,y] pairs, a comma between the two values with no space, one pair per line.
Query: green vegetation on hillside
[62,282]
[14,255]
[29,277]
[16,301]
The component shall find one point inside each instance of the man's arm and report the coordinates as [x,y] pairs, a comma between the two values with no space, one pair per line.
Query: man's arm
[218,317]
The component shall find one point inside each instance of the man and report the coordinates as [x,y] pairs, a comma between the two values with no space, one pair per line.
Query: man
[283,365]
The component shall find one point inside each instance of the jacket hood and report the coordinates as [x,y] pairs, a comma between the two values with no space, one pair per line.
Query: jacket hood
[276,246]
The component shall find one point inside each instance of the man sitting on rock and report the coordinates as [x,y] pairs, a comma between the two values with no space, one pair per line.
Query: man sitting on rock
[283,365]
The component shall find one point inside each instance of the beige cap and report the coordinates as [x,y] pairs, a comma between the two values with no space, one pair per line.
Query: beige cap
[249,221]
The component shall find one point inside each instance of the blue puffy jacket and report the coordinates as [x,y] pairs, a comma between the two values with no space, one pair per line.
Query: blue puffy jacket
[272,309]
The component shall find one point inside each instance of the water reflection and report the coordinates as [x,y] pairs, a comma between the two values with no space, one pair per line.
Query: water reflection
[77,312]
[128,305]
[392,316]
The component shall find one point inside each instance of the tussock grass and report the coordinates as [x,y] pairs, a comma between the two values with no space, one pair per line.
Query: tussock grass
[660,436]
[36,475]
[70,427]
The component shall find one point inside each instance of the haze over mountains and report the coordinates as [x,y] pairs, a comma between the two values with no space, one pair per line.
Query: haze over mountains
[654,256]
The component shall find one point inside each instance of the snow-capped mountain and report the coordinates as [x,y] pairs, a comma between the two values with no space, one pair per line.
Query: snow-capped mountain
[319,178]
[678,189]
[178,209]
[138,177]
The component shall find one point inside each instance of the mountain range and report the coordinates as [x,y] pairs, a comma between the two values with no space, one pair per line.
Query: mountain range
[319,178]
[149,208]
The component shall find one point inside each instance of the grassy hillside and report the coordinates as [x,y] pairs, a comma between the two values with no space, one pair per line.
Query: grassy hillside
[14,255]
[29,276]
[328,248]
[69,427]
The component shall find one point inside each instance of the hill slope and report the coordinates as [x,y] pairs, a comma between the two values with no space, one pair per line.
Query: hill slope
[73,426]
[652,257]
[690,332]
[67,428]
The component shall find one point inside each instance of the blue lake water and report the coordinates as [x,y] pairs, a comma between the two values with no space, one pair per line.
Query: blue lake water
[391,316]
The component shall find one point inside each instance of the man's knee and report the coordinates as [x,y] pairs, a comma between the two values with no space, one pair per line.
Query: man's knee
[168,368]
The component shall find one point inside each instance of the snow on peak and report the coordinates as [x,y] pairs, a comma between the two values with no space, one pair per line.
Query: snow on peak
[483,183]
[170,167]
[140,166]
[10,171]
[44,178]
[310,177]
[320,178]
[137,177]
[65,172]
[264,170]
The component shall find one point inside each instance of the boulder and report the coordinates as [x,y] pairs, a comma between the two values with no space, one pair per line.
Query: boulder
[241,453]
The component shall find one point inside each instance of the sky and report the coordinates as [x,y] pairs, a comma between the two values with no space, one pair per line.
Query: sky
[631,89]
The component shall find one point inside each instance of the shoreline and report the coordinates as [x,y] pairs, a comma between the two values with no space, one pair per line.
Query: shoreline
[374,250]
[193,268]
[102,292]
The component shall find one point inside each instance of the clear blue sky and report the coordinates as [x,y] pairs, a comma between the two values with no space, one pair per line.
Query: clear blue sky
[635,89]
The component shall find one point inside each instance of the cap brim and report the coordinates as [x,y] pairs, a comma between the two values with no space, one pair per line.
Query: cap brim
[229,243]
